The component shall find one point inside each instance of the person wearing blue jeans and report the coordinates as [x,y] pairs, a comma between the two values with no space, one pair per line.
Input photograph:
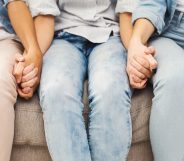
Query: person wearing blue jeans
[165,21]
[87,44]
[67,62]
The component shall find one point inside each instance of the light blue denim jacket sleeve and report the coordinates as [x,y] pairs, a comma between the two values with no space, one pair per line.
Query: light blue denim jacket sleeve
[126,5]
[154,11]
[5,2]
[43,7]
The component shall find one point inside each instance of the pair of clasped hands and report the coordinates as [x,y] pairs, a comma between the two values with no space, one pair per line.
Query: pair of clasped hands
[140,65]
[27,71]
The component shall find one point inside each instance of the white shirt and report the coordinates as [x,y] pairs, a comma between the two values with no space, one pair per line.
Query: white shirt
[94,20]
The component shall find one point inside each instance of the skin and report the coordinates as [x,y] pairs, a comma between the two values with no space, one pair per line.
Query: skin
[31,32]
[141,61]
[44,41]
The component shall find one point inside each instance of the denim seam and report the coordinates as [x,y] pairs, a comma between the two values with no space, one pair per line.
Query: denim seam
[48,140]
[130,132]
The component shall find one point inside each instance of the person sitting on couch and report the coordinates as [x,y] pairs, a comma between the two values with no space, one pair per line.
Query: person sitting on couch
[166,19]
[87,42]
[18,74]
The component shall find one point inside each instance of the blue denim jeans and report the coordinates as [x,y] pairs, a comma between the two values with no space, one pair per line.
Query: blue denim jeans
[65,67]
[167,115]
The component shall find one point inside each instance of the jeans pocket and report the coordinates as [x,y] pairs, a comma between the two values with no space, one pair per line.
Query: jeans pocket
[60,34]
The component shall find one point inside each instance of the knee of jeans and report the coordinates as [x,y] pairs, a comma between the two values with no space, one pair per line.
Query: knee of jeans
[171,81]
[58,95]
[105,89]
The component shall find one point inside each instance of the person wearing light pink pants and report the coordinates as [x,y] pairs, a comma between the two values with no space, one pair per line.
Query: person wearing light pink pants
[20,62]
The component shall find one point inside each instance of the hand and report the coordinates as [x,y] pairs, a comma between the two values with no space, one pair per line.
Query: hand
[140,64]
[27,72]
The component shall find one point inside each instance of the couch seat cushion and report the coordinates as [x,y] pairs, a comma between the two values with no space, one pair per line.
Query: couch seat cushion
[29,129]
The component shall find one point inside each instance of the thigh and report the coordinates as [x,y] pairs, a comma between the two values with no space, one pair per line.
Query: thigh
[8,49]
[61,86]
[170,58]
[109,95]
[107,67]
[166,129]
[64,69]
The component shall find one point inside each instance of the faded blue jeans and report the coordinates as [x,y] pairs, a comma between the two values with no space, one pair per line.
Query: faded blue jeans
[65,67]
[167,115]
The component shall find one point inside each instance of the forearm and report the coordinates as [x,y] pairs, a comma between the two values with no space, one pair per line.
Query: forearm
[126,28]
[143,29]
[44,26]
[23,24]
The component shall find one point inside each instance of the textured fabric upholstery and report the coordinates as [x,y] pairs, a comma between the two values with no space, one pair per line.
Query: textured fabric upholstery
[30,144]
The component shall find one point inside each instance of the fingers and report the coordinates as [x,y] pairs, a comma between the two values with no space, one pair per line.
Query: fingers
[28,69]
[25,96]
[142,61]
[134,71]
[19,57]
[30,83]
[152,61]
[18,71]
[137,79]
[144,69]
[135,85]
[31,75]
[150,50]
[26,90]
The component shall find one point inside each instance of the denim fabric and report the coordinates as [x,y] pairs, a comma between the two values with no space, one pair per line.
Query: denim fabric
[65,67]
[167,115]
[4,19]
[159,12]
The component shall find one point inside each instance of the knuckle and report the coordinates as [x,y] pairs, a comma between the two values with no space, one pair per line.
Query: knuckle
[24,79]
[15,73]
[142,76]
[139,68]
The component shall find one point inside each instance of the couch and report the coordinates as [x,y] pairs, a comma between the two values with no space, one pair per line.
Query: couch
[29,140]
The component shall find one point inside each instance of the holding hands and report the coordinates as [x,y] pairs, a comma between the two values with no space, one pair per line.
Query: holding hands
[141,63]
[27,70]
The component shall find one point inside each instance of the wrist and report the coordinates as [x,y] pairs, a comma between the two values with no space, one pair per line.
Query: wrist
[134,41]
[137,38]
[34,51]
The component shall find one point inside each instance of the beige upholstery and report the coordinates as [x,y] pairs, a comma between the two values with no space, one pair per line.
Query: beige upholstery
[30,144]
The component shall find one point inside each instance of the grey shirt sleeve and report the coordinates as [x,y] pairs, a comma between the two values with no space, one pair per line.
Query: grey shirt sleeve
[43,7]
[126,6]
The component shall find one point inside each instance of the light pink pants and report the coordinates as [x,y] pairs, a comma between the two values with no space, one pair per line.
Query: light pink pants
[8,96]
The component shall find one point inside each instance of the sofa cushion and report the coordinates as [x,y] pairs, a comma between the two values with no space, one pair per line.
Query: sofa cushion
[140,113]
[29,129]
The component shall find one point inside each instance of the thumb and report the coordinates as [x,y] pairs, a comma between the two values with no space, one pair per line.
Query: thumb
[152,61]
[150,50]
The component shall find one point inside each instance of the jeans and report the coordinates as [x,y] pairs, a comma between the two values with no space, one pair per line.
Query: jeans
[65,67]
[167,115]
